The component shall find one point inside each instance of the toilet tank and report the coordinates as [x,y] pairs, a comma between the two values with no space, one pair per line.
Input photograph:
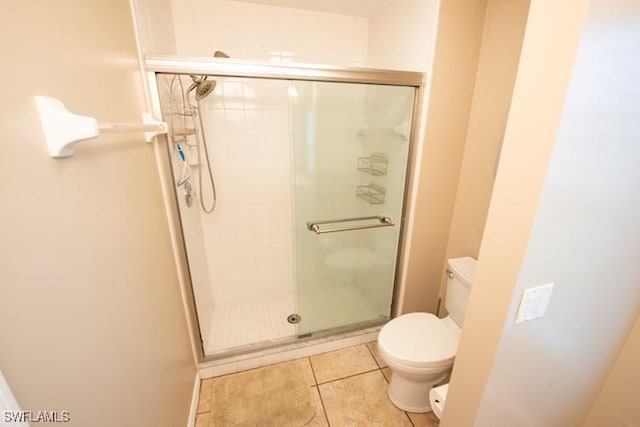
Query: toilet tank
[460,274]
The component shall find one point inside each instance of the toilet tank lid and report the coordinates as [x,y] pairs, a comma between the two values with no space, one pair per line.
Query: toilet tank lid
[463,268]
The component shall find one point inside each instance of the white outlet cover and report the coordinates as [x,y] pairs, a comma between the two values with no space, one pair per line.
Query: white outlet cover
[534,303]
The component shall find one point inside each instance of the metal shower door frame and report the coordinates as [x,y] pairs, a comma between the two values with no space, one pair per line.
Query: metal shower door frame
[224,67]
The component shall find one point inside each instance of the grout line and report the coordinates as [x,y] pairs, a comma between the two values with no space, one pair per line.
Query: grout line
[371,353]
[313,371]
[324,410]
[351,376]
[384,376]
[326,417]
[317,386]
[410,420]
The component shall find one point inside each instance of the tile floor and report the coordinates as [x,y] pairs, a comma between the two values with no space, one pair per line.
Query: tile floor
[346,387]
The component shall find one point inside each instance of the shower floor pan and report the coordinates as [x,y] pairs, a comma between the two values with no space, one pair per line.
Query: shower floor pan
[262,322]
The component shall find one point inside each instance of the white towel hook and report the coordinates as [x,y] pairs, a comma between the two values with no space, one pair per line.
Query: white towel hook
[63,129]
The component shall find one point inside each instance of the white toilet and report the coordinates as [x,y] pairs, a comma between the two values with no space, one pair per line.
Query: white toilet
[420,348]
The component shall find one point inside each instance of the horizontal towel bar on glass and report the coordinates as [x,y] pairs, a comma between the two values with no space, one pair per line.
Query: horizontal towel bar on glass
[382,221]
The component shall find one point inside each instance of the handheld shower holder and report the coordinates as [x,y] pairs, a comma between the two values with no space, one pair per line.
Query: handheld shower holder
[63,129]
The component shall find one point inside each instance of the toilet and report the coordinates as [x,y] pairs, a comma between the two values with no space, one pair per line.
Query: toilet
[420,347]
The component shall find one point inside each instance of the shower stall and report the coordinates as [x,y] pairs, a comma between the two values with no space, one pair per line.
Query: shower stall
[289,190]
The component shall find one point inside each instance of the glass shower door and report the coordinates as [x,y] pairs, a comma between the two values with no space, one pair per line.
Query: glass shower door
[350,152]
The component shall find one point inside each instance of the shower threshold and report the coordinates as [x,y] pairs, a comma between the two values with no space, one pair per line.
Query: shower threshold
[300,340]
[263,354]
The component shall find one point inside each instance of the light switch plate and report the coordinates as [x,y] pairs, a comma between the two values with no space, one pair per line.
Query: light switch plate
[534,303]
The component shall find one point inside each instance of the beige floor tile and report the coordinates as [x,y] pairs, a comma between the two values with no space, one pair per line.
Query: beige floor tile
[204,401]
[361,401]
[277,395]
[202,420]
[342,363]
[319,418]
[304,364]
[424,420]
[387,373]
[373,346]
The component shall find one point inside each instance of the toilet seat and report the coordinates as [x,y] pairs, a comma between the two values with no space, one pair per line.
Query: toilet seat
[418,340]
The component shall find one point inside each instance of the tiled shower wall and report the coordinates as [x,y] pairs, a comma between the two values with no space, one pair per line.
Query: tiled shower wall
[253,31]
[397,36]
[248,239]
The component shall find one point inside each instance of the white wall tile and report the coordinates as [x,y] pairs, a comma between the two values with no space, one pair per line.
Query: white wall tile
[251,31]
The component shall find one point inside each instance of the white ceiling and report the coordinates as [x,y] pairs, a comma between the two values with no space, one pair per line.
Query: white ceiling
[364,8]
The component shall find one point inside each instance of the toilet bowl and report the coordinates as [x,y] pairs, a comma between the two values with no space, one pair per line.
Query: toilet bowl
[420,348]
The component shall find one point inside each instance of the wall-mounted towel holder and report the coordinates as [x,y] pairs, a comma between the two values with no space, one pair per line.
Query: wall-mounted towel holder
[63,129]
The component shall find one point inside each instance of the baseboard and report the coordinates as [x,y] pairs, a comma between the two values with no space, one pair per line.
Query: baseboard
[193,411]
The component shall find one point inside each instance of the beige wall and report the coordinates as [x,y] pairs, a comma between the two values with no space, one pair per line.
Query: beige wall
[547,57]
[585,239]
[583,236]
[91,319]
[458,37]
[499,56]
[617,403]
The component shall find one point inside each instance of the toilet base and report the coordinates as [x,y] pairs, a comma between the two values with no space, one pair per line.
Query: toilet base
[411,395]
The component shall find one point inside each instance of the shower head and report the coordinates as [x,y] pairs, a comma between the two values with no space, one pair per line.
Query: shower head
[202,86]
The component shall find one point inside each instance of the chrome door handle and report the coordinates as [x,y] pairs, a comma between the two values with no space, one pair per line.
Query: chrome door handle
[382,221]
